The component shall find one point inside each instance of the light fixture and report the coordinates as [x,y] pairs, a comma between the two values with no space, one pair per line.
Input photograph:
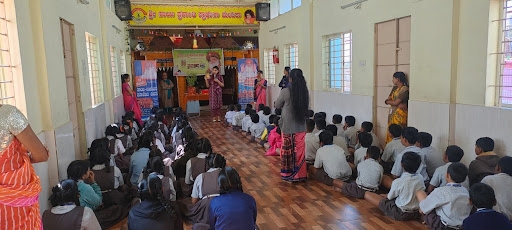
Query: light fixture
[353,4]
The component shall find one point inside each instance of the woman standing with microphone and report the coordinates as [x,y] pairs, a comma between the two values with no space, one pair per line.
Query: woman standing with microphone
[215,83]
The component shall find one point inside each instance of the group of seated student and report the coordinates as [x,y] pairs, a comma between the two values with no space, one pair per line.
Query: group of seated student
[157,176]
[259,126]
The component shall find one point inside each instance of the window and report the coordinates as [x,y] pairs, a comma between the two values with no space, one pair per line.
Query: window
[296,3]
[338,61]
[274,8]
[270,67]
[292,56]
[110,5]
[278,7]
[505,71]
[94,69]
[285,6]
[7,84]
[123,63]
[115,78]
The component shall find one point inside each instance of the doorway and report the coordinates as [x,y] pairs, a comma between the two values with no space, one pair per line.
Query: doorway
[76,116]
[392,47]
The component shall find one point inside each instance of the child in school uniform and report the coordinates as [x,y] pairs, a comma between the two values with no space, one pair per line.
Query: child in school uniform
[260,109]
[367,126]
[257,126]
[330,162]
[453,154]
[265,118]
[365,140]
[115,145]
[320,125]
[230,114]
[236,121]
[311,113]
[273,123]
[485,162]
[369,176]
[312,142]
[446,207]
[337,140]
[401,203]
[393,148]
[434,158]
[246,121]
[337,120]
[275,141]
[350,133]
[316,117]
[501,183]
[482,197]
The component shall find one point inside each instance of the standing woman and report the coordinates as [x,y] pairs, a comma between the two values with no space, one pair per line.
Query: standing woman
[398,99]
[19,184]
[294,102]
[260,89]
[130,99]
[215,82]
[166,95]
[285,82]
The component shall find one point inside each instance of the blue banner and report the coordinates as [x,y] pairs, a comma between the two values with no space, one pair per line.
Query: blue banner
[147,86]
[247,73]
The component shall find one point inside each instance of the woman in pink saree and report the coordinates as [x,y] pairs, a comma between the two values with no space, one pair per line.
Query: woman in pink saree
[19,183]
[130,99]
[260,89]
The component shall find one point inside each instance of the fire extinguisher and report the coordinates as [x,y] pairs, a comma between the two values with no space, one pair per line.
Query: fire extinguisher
[275,56]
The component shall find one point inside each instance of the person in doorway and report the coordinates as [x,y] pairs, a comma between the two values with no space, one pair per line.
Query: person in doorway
[398,100]
[166,95]
[130,99]
[285,83]
[260,89]
[215,83]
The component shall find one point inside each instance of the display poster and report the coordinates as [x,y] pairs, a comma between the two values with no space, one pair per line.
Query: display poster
[195,62]
[191,15]
[146,84]
[247,73]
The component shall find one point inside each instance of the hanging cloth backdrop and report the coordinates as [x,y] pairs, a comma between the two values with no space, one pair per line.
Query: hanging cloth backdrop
[247,73]
[147,86]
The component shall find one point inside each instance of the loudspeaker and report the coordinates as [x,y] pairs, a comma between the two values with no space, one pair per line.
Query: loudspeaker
[123,9]
[262,11]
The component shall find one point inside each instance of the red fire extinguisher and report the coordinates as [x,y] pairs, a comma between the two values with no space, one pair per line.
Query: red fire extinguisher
[275,56]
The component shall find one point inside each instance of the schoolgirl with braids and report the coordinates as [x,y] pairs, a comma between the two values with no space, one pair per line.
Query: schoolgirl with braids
[108,177]
[198,164]
[115,145]
[154,212]
[67,212]
[156,166]
[233,209]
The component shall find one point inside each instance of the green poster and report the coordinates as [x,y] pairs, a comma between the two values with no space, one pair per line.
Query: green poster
[197,62]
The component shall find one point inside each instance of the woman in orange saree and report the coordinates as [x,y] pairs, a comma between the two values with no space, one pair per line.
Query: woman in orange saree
[398,99]
[19,184]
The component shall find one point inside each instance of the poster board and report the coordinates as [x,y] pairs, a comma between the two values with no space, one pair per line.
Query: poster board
[146,84]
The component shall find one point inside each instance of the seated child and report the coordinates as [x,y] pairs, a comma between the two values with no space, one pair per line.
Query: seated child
[501,183]
[393,148]
[367,126]
[452,154]
[156,167]
[446,207]
[275,141]
[434,158]
[330,162]
[115,145]
[369,176]
[482,197]
[337,121]
[350,133]
[257,126]
[337,140]
[260,109]
[324,115]
[409,139]
[236,121]
[66,212]
[230,114]
[312,142]
[90,191]
[265,117]
[401,203]
[485,162]
[274,120]
[320,125]
[315,117]
[311,113]
[246,121]
[365,140]
[197,164]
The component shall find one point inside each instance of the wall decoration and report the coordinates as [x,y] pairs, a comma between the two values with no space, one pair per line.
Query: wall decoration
[189,62]
[247,73]
[146,86]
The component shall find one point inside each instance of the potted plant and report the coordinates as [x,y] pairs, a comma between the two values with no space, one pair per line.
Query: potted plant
[191,83]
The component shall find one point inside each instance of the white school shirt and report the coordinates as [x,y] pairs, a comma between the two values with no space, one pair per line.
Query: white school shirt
[257,129]
[369,174]
[351,136]
[501,183]
[89,220]
[359,155]
[229,116]
[341,132]
[375,140]
[166,130]
[434,159]
[246,123]
[451,204]
[198,184]
[404,190]
[439,177]
[118,176]
[159,145]
[119,148]
[422,170]
[332,159]
[340,141]
[129,142]
[237,119]
[188,172]
[392,150]
[312,145]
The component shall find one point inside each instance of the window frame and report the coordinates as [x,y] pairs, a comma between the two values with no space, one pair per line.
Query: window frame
[115,72]
[503,52]
[122,61]
[288,55]
[270,67]
[327,63]
[276,4]
[94,70]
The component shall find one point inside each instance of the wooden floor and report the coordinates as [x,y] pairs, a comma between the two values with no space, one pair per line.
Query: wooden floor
[306,205]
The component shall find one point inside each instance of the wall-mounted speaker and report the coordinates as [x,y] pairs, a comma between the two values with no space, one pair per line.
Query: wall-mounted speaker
[262,11]
[123,9]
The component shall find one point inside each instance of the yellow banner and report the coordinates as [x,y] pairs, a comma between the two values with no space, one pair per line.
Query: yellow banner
[183,15]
